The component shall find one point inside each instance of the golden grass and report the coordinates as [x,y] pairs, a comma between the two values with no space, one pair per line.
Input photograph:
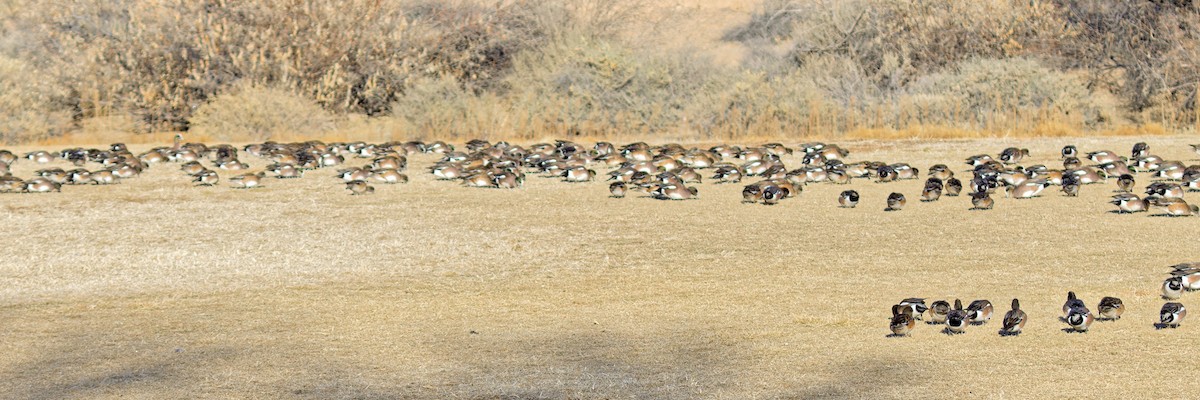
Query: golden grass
[387,129]
[1038,130]
[156,289]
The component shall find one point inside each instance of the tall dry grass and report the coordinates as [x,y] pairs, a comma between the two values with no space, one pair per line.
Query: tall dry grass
[529,69]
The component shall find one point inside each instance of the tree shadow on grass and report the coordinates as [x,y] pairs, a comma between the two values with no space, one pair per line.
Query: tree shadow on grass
[608,365]
[77,369]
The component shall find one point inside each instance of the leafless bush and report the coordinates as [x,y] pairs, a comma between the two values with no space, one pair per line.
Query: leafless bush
[30,103]
[163,58]
[258,113]
[1145,51]
[536,69]
[603,86]
[896,40]
[977,92]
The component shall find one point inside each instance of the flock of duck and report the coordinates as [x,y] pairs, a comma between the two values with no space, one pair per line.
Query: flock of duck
[663,172]
[1075,313]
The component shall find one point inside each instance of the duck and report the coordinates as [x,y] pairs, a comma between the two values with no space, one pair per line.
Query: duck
[247,181]
[1103,156]
[687,174]
[981,201]
[103,177]
[508,179]
[1069,151]
[1175,207]
[675,192]
[57,175]
[79,176]
[448,171]
[617,189]
[1189,274]
[1087,175]
[984,183]
[773,193]
[757,167]
[848,199]
[752,193]
[953,187]
[1072,302]
[978,160]
[1172,288]
[233,165]
[192,168]
[7,157]
[1129,203]
[206,178]
[980,311]
[838,176]
[1014,177]
[1171,315]
[40,156]
[753,154]
[1072,163]
[149,157]
[1110,309]
[940,171]
[1070,186]
[126,171]
[1028,189]
[833,152]
[285,171]
[1079,319]
[478,180]
[902,320]
[1115,168]
[1014,320]
[905,171]
[578,174]
[895,202]
[359,188]
[699,160]
[1013,155]
[886,174]
[957,319]
[1125,183]
[811,174]
[354,174]
[938,311]
[861,169]
[917,305]
[1152,163]
[728,174]
[1165,190]
[1193,185]
[389,176]
[9,184]
[42,185]
[1140,149]
[932,191]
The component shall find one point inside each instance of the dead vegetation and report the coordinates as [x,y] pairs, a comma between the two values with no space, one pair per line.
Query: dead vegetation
[522,70]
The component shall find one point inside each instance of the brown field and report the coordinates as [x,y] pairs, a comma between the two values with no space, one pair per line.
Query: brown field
[157,289]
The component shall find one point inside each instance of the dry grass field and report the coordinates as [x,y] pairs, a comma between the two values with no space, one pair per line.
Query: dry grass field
[157,289]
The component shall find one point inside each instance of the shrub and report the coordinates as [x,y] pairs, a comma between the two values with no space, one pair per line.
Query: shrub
[977,92]
[258,113]
[603,86]
[31,104]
